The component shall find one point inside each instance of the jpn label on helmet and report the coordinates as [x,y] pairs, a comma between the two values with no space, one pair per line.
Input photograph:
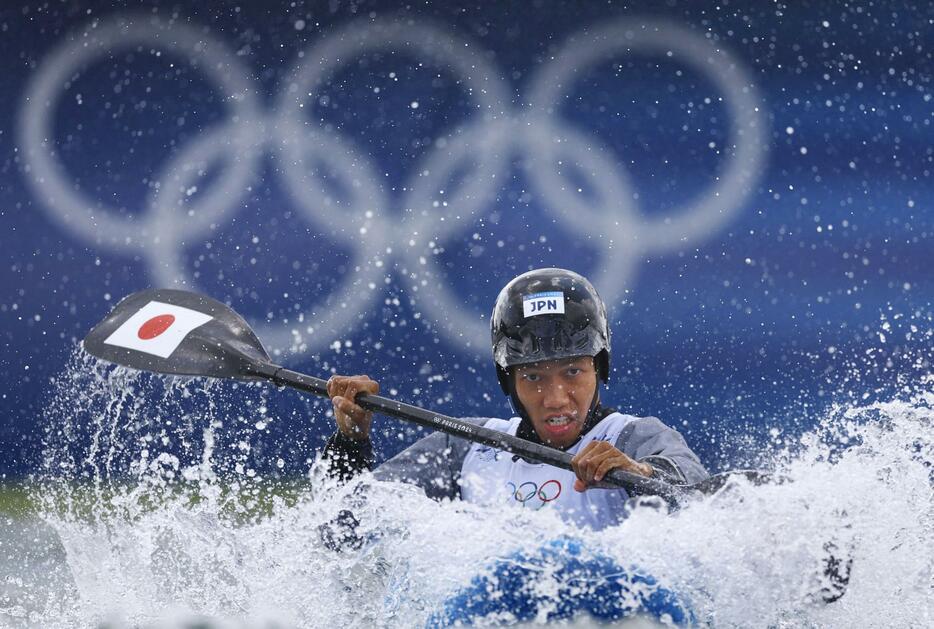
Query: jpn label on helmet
[551,302]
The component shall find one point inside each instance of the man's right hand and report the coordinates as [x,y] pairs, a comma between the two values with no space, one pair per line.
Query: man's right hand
[352,421]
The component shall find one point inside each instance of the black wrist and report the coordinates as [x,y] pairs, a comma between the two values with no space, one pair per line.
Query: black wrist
[347,442]
[359,437]
[348,457]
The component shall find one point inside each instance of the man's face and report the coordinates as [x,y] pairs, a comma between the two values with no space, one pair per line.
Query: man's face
[557,395]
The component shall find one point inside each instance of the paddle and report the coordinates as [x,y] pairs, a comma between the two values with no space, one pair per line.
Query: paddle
[183,333]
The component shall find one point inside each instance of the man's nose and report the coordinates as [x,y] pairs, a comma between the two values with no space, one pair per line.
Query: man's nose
[556,396]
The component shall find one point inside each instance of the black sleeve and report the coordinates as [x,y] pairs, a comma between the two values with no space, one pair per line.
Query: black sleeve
[665,470]
[347,457]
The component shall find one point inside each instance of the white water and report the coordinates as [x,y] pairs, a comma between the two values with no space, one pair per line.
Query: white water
[143,553]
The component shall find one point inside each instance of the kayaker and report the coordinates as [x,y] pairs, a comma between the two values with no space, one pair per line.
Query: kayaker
[551,347]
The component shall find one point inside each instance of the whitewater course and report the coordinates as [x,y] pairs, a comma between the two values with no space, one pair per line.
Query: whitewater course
[127,535]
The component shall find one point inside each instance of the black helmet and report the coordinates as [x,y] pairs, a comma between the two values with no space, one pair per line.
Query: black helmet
[548,314]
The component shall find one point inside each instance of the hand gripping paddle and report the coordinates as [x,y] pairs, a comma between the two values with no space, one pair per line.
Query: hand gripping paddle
[183,333]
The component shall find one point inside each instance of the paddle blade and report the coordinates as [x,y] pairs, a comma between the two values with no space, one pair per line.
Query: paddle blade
[177,332]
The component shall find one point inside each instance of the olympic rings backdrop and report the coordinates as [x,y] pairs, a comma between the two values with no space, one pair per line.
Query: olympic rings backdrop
[749,187]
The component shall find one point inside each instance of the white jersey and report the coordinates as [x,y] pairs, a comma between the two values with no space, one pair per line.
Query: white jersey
[450,468]
[489,476]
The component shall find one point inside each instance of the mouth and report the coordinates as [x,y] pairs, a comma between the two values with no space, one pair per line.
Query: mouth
[560,420]
[558,426]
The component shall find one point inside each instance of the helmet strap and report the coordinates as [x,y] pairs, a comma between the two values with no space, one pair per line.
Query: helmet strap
[514,398]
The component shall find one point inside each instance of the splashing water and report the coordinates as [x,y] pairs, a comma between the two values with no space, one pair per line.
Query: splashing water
[154,517]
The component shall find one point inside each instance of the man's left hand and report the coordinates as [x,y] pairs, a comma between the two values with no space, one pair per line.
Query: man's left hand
[599,457]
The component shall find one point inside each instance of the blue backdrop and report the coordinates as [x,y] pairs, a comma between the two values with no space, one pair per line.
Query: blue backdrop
[749,186]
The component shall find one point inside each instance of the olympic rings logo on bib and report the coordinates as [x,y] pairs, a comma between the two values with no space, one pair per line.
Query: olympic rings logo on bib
[437,203]
[530,494]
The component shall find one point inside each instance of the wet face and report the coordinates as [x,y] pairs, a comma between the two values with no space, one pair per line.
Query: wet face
[557,395]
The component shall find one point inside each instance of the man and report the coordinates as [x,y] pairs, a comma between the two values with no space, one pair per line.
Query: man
[551,344]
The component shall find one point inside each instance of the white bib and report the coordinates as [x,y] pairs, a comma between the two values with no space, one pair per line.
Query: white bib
[490,476]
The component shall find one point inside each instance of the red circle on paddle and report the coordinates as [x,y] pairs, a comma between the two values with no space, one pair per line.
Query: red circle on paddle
[155,326]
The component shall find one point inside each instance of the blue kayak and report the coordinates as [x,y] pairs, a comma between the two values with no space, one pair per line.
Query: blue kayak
[558,582]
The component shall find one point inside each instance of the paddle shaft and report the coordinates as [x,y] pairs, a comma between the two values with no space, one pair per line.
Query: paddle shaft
[633,483]
[226,347]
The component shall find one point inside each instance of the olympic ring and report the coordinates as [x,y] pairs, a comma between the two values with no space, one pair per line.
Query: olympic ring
[70,207]
[517,494]
[531,493]
[542,495]
[336,186]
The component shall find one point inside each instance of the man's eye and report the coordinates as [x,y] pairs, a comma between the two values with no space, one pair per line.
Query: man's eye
[530,377]
[573,371]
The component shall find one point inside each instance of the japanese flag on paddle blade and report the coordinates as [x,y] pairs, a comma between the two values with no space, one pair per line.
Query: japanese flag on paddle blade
[157,328]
